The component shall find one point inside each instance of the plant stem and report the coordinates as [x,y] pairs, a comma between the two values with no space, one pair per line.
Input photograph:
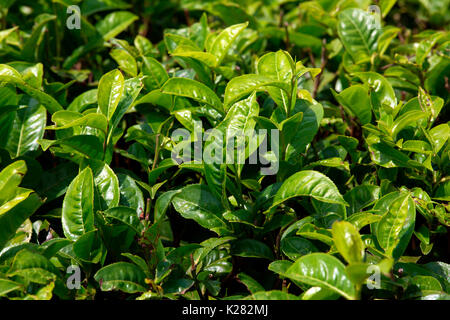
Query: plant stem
[323,62]
[157,148]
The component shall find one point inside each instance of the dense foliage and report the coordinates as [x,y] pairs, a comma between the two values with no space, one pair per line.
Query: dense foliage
[355,105]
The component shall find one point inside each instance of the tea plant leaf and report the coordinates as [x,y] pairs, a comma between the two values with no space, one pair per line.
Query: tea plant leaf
[308,183]
[89,247]
[122,276]
[322,270]
[7,286]
[78,206]
[125,215]
[110,91]
[192,89]
[114,23]
[106,185]
[186,51]
[10,75]
[244,85]
[279,66]
[125,61]
[251,248]
[10,178]
[27,128]
[359,33]
[155,72]
[67,119]
[197,202]
[381,92]
[396,226]
[12,219]
[356,99]
[224,41]
[33,267]
[348,241]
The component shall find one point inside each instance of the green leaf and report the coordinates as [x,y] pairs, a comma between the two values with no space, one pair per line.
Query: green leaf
[33,267]
[359,32]
[251,248]
[356,99]
[12,219]
[295,247]
[122,276]
[132,88]
[407,119]
[10,178]
[239,123]
[27,128]
[125,61]
[385,155]
[126,215]
[272,295]
[178,285]
[279,66]
[30,49]
[443,191]
[362,219]
[195,90]
[360,197]
[162,204]
[280,266]
[312,116]
[439,136]
[424,47]
[83,101]
[89,247]
[88,146]
[334,162]
[189,52]
[78,206]
[137,260]
[172,41]
[230,12]
[198,203]
[252,285]
[395,228]
[308,183]
[242,86]
[423,286]
[214,165]
[322,270]
[348,241]
[114,23]
[106,185]
[10,75]
[7,286]
[358,272]
[290,127]
[130,194]
[65,119]
[381,92]
[90,7]
[313,232]
[386,6]
[224,40]
[110,91]
[155,72]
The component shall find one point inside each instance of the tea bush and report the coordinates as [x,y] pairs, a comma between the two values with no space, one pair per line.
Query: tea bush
[119,181]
